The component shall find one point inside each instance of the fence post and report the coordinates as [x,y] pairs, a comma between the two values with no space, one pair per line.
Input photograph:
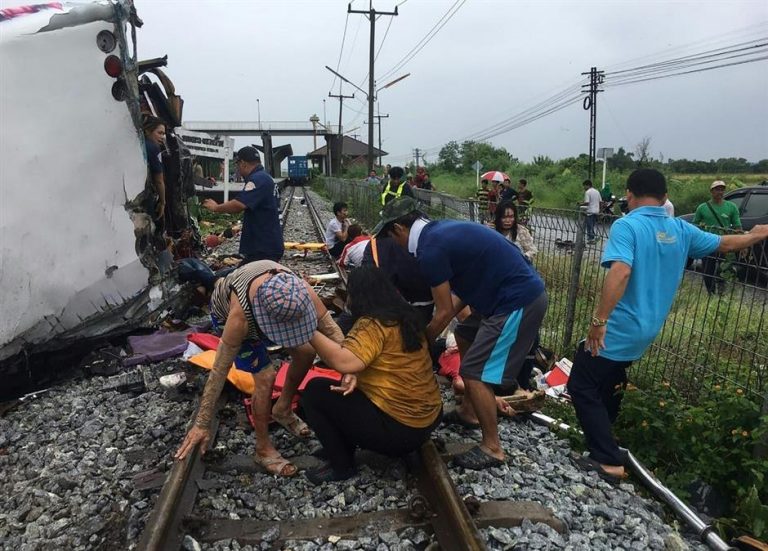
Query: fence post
[761,447]
[573,284]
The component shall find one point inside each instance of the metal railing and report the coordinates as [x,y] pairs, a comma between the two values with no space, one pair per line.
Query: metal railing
[707,339]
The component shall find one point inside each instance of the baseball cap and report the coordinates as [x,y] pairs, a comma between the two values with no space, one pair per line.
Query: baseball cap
[717,183]
[393,210]
[284,310]
[249,154]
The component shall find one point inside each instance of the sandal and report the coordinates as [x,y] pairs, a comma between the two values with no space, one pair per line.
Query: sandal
[276,465]
[590,465]
[452,417]
[477,460]
[294,425]
[326,473]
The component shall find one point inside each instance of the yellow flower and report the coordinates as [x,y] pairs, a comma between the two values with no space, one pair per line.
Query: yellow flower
[644,424]
[662,403]
[744,433]
[665,384]
[734,432]
[739,391]
[717,387]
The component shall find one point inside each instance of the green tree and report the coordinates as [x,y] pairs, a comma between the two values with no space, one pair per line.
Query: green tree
[449,158]
[621,160]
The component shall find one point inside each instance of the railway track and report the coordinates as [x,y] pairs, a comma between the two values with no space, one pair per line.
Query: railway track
[430,503]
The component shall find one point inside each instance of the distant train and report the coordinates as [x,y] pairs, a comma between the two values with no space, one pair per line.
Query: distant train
[298,170]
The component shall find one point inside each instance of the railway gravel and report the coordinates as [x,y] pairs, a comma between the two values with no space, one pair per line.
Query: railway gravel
[71,460]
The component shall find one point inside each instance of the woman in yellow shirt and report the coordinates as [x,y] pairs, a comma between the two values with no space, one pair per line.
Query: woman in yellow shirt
[388,400]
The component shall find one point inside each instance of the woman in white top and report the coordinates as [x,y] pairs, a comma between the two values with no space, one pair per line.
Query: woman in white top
[505,222]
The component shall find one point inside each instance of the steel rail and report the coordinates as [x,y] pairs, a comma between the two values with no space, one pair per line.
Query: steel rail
[704,531]
[286,207]
[320,229]
[162,531]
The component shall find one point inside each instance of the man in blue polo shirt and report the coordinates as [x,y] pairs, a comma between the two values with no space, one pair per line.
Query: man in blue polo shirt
[259,201]
[468,264]
[645,256]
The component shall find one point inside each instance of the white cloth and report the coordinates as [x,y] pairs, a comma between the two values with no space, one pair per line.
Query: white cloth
[670,208]
[353,255]
[592,198]
[330,232]
[413,237]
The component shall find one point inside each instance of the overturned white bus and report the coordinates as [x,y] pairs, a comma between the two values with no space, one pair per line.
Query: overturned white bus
[80,254]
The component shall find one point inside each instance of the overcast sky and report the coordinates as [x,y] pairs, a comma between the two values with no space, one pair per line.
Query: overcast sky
[492,60]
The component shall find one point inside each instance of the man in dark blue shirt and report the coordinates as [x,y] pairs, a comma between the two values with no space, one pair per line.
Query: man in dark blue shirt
[259,201]
[468,264]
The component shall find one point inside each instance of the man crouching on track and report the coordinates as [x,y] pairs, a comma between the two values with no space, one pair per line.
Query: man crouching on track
[260,304]
[490,275]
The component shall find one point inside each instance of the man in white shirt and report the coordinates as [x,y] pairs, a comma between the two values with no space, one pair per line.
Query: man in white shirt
[592,202]
[336,231]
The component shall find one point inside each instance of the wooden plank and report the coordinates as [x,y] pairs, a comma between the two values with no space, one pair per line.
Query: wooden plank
[347,527]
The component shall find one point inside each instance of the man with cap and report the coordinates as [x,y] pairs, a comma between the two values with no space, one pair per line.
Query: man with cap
[645,256]
[719,216]
[395,187]
[481,269]
[259,201]
[260,304]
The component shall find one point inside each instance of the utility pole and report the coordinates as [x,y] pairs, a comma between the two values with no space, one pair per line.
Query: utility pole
[371,14]
[590,104]
[341,97]
[417,154]
[378,117]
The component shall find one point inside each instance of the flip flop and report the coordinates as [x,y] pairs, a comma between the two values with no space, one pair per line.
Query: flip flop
[453,418]
[590,465]
[294,425]
[276,465]
[477,460]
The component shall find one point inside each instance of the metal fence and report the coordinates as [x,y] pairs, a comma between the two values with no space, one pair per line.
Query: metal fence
[707,339]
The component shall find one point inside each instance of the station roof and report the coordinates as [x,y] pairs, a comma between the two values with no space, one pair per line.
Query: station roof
[350,147]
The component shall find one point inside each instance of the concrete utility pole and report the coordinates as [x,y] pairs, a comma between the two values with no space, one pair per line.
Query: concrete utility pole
[590,104]
[378,117]
[371,14]
[417,154]
[341,97]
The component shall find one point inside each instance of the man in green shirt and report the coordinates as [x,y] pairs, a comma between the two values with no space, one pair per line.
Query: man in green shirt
[718,216]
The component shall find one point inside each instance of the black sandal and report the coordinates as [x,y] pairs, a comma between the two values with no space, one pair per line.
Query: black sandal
[477,460]
[590,465]
[453,418]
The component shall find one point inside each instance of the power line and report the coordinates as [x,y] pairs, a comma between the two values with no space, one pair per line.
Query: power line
[447,16]
[701,70]
[740,47]
[341,50]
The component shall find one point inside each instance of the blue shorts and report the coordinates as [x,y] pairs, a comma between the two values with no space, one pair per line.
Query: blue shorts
[253,356]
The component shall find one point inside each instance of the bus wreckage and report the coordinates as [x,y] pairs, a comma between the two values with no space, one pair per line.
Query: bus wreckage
[83,255]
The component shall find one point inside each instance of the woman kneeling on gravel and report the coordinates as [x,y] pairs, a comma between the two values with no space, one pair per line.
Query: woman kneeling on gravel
[261,304]
[388,400]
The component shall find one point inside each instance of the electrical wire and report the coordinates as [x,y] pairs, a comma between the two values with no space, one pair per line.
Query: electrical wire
[447,16]
[741,47]
[341,51]
[689,72]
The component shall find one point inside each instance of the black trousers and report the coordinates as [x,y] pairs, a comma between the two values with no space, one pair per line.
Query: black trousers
[344,423]
[596,386]
[337,249]
[713,281]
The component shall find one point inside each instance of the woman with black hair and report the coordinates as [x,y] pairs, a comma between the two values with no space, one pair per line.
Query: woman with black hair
[388,400]
[505,222]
